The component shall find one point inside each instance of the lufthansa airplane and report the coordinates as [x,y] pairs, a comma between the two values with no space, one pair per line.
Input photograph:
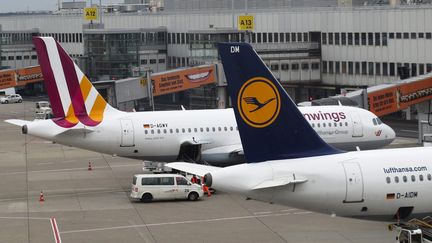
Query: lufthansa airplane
[288,163]
[84,119]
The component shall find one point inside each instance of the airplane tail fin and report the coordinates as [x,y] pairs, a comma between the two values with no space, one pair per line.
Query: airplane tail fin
[270,125]
[73,97]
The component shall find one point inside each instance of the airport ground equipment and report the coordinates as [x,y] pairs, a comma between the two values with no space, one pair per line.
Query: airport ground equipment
[414,231]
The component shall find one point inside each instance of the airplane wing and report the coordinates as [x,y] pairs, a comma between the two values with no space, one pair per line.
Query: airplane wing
[17,122]
[280,181]
[232,150]
[196,141]
[196,169]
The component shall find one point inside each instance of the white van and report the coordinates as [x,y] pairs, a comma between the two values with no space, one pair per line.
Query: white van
[148,187]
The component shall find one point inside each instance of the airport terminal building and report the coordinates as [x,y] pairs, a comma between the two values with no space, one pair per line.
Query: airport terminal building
[313,49]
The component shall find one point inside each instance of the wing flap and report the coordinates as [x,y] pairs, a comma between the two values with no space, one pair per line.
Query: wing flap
[280,181]
[196,169]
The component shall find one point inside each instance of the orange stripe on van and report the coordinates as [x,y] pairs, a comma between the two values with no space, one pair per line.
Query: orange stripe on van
[98,108]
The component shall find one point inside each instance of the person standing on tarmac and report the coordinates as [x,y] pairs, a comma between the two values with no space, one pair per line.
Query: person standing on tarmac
[194,179]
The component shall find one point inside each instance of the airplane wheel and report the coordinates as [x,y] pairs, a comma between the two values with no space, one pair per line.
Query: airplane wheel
[147,197]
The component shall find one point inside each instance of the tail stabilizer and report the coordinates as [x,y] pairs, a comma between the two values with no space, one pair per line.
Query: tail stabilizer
[73,98]
[271,126]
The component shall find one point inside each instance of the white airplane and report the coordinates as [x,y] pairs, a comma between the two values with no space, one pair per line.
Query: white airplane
[288,163]
[84,119]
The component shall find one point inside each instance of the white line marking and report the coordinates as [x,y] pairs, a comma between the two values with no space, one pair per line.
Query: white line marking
[174,223]
[55,230]
[69,169]
[35,218]
[289,210]
[304,212]
[413,131]
[258,213]
[46,163]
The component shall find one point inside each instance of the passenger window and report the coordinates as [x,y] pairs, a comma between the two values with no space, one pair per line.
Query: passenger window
[313,125]
[346,124]
[183,130]
[396,179]
[429,177]
[318,125]
[324,125]
[168,181]
[165,131]
[231,128]
[158,131]
[340,124]
[329,124]
[219,129]
[189,130]
[413,178]
[388,180]
[195,129]
[335,124]
[404,179]
[171,131]
[207,129]
[177,130]
[202,129]
[421,177]
[181,181]
[145,131]
[152,131]
[225,129]
[374,121]
[213,129]
[379,121]
[150,181]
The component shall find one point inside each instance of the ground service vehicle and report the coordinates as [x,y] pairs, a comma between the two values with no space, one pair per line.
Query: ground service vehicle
[149,187]
[43,110]
[13,98]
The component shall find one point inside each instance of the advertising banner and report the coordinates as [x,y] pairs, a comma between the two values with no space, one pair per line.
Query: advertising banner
[389,100]
[383,101]
[176,81]
[29,75]
[7,79]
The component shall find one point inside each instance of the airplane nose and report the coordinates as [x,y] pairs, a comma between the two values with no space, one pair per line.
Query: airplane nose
[390,133]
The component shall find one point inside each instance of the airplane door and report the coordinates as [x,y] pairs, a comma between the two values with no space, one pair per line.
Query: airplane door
[127,133]
[354,182]
[357,125]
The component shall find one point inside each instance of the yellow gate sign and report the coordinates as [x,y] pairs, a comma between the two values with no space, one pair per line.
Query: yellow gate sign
[90,13]
[245,22]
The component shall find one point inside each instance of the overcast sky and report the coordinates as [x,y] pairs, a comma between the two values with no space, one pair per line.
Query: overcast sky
[34,5]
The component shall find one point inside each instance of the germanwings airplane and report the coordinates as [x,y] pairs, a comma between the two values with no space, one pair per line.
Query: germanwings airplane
[84,119]
[288,163]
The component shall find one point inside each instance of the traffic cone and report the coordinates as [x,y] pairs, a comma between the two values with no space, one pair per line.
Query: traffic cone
[90,166]
[41,197]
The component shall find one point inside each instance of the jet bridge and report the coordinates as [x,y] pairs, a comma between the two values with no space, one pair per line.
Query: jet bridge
[402,95]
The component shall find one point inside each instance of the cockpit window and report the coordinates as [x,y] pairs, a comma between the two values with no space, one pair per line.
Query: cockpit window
[379,121]
[374,121]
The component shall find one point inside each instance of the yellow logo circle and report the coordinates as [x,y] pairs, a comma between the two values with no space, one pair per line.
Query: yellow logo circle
[258,102]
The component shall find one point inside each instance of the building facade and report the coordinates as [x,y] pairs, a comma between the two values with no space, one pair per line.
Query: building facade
[359,46]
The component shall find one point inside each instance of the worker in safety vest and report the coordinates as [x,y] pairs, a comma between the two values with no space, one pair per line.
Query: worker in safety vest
[194,179]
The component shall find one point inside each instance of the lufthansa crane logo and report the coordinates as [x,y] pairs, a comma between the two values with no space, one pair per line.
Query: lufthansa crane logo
[258,102]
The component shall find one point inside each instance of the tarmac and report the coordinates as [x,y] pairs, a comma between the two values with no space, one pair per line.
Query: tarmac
[93,206]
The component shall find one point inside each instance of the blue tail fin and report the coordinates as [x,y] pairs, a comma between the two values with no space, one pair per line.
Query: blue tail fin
[270,124]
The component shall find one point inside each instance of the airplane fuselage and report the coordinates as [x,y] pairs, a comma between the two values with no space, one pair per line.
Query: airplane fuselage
[158,136]
[365,184]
